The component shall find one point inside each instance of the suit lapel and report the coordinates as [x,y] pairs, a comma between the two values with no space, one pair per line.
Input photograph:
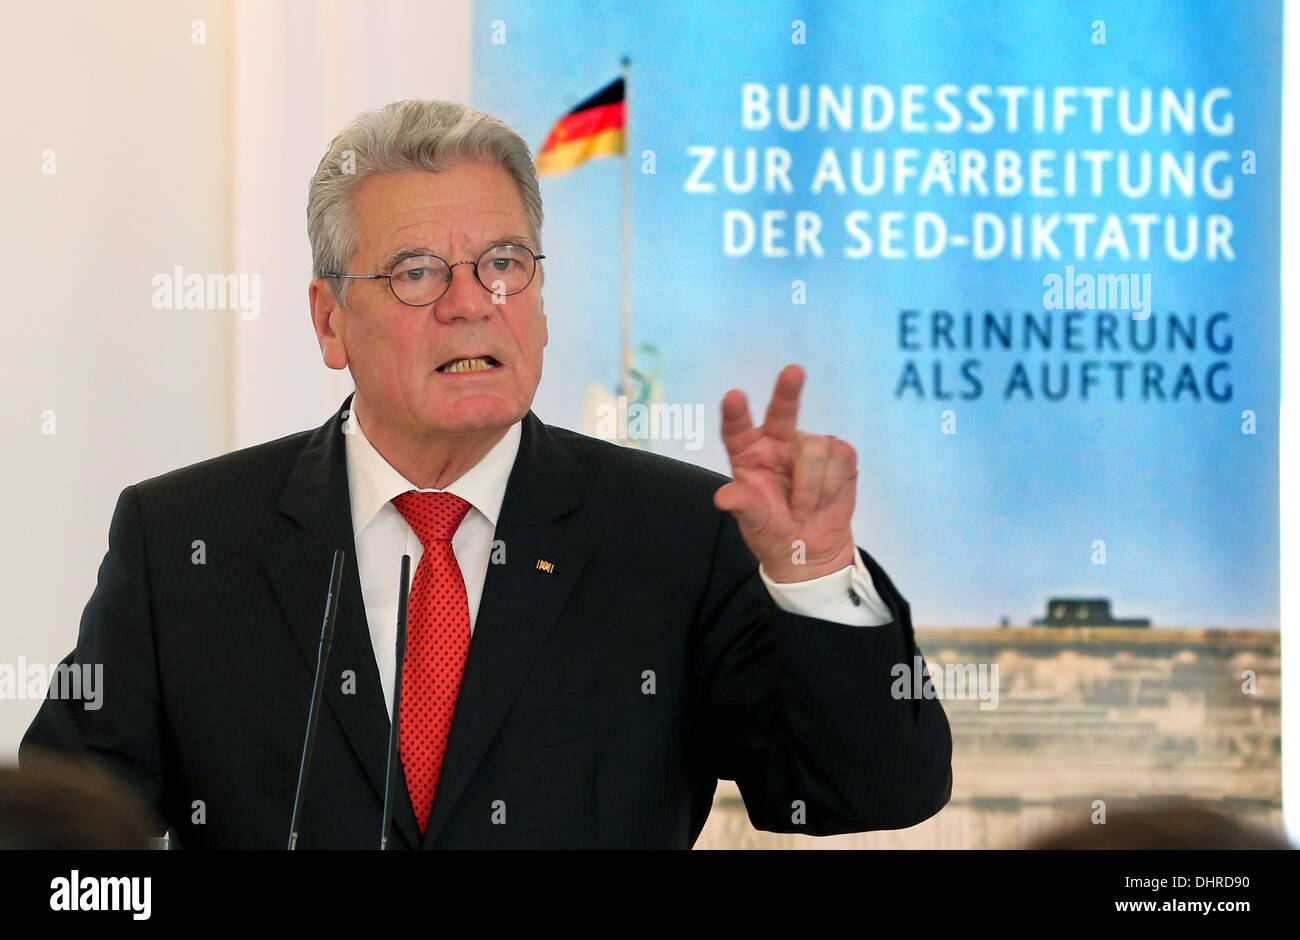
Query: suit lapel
[316,496]
[521,602]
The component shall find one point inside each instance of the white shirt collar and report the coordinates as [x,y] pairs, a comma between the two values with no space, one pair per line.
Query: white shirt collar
[372,480]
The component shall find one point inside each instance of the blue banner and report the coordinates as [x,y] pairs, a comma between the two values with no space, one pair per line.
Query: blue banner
[1028,254]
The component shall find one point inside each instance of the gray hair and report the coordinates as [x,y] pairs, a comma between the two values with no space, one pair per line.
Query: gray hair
[406,135]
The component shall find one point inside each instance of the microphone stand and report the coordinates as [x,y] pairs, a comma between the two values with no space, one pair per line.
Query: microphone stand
[313,713]
[402,603]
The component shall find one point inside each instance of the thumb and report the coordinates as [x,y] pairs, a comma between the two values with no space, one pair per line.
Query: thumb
[737,499]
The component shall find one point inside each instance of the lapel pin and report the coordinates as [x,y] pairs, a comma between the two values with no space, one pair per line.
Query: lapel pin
[547,566]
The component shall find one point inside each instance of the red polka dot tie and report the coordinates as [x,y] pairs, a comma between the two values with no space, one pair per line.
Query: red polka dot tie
[437,644]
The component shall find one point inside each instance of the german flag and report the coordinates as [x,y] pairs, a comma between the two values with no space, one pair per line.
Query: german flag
[594,128]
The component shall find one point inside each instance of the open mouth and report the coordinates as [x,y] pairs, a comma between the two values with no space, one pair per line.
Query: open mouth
[475,364]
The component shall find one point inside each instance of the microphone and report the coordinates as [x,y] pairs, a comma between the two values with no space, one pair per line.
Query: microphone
[402,602]
[313,713]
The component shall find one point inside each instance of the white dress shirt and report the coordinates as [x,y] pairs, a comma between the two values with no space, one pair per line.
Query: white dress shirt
[382,536]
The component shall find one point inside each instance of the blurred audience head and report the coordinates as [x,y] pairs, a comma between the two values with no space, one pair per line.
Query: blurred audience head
[1168,826]
[55,802]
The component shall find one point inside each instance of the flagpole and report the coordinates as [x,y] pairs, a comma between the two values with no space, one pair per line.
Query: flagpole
[625,299]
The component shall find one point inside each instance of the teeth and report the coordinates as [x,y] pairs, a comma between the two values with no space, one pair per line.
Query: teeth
[480,364]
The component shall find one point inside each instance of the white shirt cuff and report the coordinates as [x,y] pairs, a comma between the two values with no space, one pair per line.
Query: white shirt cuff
[846,596]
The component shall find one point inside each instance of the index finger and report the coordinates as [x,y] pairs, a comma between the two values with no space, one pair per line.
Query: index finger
[782,416]
[738,430]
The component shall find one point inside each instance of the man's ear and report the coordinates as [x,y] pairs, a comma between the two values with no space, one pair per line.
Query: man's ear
[326,315]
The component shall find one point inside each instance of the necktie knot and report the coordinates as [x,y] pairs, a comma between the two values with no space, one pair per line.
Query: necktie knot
[434,517]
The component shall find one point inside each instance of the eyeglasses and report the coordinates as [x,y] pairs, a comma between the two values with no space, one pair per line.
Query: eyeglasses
[421,280]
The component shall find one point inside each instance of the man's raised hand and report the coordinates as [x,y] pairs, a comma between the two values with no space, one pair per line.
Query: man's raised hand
[792,492]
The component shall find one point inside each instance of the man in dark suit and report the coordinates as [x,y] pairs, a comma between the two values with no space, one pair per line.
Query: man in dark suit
[598,634]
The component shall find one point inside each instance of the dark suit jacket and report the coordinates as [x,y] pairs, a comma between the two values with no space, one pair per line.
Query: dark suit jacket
[600,703]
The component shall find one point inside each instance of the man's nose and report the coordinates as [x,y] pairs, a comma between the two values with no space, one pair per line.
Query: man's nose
[465,298]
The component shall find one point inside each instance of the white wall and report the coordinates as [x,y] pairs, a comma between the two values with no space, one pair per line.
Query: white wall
[1290,430]
[136,115]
